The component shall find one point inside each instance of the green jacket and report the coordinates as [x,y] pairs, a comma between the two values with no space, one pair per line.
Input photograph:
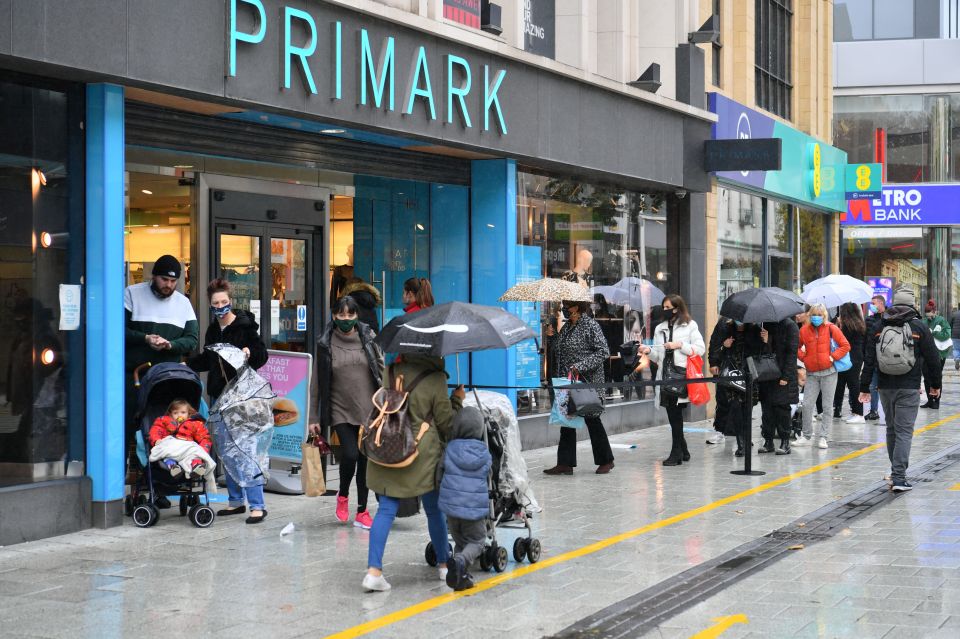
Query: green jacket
[941,334]
[420,477]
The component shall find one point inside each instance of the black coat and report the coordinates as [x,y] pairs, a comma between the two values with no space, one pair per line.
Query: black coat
[746,343]
[955,325]
[783,341]
[242,332]
[925,349]
[857,341]
[325,366]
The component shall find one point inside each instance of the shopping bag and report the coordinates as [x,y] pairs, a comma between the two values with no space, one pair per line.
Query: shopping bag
[585,402]
[844,363]
[311,470]
[558,412]
[698,394]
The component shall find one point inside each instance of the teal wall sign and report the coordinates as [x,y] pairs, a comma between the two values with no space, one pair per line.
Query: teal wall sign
[864,181]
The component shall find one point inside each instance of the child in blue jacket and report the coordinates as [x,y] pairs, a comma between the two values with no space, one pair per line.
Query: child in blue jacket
[464,493]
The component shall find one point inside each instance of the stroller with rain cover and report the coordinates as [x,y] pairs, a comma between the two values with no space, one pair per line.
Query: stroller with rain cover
[162,384]
[512,502]
[241,420]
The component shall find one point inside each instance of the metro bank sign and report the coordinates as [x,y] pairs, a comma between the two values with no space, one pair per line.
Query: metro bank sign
[465,89]
[907,205]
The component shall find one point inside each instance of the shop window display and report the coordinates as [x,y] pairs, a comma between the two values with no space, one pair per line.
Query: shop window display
[612,242]
[896,253]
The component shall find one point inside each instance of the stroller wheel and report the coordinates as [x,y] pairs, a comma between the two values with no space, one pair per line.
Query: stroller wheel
[519,549]
[500,559]
[533,550]
[145,516]
[202,516]
[430,555]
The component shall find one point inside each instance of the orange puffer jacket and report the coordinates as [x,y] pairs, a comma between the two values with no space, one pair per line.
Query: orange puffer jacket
[814,349]
[192,430]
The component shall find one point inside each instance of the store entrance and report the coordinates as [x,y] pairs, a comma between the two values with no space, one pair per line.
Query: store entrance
[274,267]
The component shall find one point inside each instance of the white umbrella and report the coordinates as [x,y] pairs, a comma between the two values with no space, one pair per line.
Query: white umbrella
[637,292]
[835,290]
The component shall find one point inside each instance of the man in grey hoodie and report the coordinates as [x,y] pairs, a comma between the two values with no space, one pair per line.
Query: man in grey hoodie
[900,393]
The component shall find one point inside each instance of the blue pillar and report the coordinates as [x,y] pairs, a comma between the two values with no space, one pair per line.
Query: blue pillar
[104,301]
[450,256]
[493,256]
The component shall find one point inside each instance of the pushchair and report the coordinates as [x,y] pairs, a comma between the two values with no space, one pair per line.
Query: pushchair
[162,384]
[512,502]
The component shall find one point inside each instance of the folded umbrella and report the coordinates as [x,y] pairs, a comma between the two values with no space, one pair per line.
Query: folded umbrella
[835,290]
[548,289]
[757,305]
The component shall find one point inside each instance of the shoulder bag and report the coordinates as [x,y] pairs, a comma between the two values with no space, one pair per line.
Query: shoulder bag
[764,367]
[673,372]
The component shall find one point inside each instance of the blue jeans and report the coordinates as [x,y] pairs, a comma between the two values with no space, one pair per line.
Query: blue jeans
[254,494]
[874,395]
[387,512]
[956,349]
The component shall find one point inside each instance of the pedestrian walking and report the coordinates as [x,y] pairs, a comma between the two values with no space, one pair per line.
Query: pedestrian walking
[878,304]
[349,372]
[740,341]
[776,396]
[427,402]
[368,300]
[715,360]
[852,326]
[417,294]
[941,332]
[955,337]
[674,340]
[821,344]
[580,350]
[898,352]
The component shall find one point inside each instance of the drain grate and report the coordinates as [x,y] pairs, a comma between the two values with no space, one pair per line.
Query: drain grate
[644,611]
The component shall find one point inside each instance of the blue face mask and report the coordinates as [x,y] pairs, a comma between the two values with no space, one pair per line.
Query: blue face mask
[222,311]
[738,323]
[873,308]
[816,320]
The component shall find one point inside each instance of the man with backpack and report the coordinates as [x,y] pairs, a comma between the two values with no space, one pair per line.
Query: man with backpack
[900,351]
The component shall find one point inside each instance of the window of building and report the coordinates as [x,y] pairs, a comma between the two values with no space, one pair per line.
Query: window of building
[892,19]
[896,253]
[740,239]
[611,241]
[715,62]
[42,383]
[811,248]
[774,37]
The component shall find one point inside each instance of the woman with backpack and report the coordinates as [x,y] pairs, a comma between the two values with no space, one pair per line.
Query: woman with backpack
[855,330]
[821,345]
[424,378]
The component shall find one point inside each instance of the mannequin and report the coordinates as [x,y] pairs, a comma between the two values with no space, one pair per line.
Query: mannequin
[581,269]
[341,277]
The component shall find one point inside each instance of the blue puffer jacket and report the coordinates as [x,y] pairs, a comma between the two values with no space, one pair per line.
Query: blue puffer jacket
[466,463]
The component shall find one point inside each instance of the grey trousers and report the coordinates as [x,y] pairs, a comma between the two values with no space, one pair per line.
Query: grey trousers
[468,537]
[900,408]
[825,382]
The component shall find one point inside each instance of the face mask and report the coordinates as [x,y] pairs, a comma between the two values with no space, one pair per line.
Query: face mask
[345,325]
[873,308]
[738,323]
[566,313]
[222,311]
[816,320]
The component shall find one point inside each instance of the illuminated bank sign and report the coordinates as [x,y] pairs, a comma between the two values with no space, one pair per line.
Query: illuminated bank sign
[905,205]
[468,94]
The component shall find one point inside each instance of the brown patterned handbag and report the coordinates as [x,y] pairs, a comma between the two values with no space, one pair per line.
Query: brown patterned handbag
[389,438]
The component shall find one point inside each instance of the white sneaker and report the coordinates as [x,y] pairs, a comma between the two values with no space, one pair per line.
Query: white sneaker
[375,584]
[802,441]
[823,442]
[818,417]
[856,419]
[443,574]
[716,438]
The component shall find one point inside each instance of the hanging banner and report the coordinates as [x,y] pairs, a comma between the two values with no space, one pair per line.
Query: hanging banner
[289,374]
[539,27]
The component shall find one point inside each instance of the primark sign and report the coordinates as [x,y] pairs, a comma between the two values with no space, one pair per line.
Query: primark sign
[321,57]
[907,205]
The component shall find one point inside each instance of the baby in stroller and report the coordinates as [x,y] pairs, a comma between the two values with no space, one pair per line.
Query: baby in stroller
[169,435]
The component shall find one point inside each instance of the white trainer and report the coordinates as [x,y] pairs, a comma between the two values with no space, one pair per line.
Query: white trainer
[802,441]
[443,573]
[818,417]
[856,419]
[716,438]
[375,584]
[823,442]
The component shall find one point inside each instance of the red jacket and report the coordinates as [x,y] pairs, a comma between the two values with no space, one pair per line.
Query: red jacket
[192,430]
[814,349]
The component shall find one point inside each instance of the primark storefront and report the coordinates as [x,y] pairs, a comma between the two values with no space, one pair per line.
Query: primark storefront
[289,146]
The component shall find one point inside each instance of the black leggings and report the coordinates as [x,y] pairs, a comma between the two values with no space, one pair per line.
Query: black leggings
[352,462]
[850,381]
[675,415]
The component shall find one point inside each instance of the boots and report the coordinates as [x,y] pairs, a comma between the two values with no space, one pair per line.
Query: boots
[675,458]
[767,446]
[684,452]
[739,452]
[784,447]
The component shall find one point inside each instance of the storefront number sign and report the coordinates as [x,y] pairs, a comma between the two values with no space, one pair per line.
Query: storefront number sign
[905,205]
[377,68]
[289,375]
[864,181]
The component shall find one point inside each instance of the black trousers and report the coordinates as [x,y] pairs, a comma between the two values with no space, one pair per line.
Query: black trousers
[720,416]
[567,449]
[674,408]
[926,385]
[775,421]
[849,381]
[352,463]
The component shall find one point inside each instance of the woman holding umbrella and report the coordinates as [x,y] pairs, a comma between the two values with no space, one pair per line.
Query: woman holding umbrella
[818,355]
[580,349]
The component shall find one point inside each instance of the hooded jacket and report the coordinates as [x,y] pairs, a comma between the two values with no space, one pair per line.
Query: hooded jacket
[191,430]
[815,352]
[464,493]
[367,298]
[242,332]
[325,370]
[927,355]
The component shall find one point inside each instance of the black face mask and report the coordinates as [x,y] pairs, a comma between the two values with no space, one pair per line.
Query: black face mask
[566,312]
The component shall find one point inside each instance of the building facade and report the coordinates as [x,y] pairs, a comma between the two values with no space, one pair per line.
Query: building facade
[897,103]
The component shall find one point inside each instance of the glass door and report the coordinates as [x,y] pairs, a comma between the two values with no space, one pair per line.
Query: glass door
[289,303]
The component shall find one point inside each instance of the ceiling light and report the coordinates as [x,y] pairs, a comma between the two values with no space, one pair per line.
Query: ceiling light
[47,356]
[46,240]
[333,131]
[146,192]
[490,226]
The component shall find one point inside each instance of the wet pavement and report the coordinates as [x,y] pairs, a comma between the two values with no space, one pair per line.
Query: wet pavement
[892,572]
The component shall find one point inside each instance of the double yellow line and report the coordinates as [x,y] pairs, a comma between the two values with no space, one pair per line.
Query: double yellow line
[526,569]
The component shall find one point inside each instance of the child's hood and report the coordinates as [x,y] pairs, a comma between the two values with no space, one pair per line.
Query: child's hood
[467,424]
[468,454]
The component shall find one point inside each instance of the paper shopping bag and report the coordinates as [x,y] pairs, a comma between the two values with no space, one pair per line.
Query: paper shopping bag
[311,472]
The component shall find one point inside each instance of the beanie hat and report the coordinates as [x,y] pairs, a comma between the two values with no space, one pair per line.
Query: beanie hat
[167,266]
[931,306]
[905,297]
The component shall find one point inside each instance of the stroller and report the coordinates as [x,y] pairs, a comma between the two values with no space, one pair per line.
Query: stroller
[511,500]
[160,385]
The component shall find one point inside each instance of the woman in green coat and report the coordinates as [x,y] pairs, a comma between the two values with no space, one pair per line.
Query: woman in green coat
[941,336]
[427,402]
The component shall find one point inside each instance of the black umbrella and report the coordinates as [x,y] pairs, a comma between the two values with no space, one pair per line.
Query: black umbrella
[455,327]
[757,305]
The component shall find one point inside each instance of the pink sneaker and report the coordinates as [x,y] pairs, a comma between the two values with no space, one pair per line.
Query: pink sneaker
[343,508]
[363,520]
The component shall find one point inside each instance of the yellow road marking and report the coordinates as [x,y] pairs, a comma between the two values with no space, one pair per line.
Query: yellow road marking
[526,569]
[955,486]
[721,626]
